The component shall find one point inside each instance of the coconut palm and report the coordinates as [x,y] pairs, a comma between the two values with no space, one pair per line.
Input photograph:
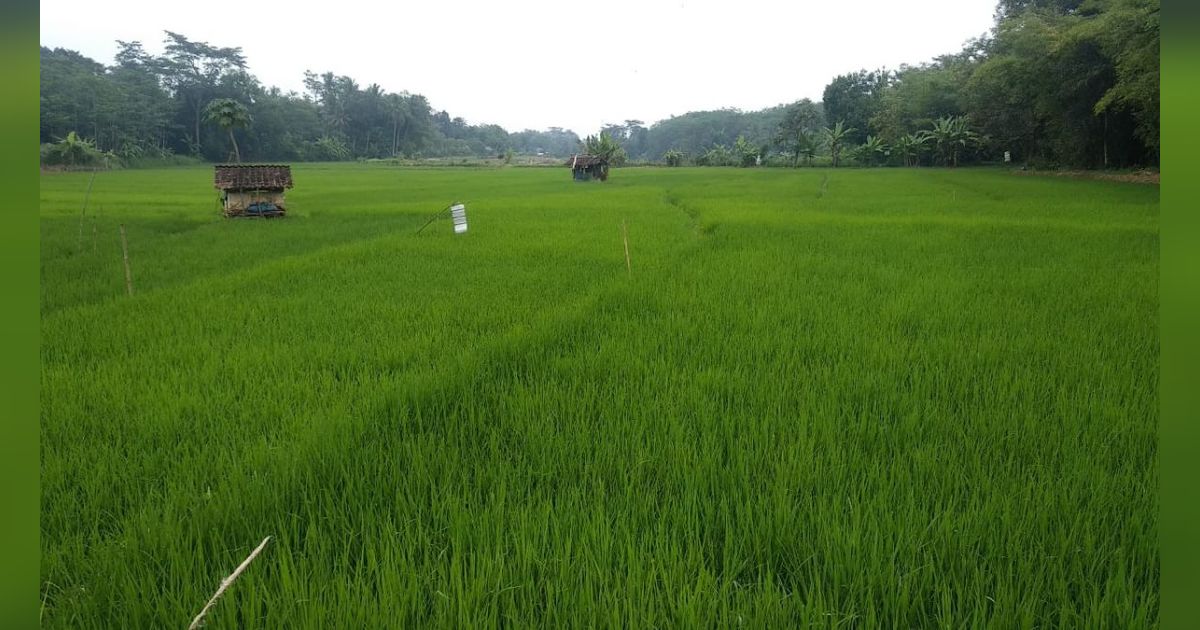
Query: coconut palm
[228,114]
[835,137]
[807,145]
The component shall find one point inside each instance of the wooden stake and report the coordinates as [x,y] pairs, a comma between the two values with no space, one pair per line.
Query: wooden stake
[625,237]
[96,229]
[125,255]
[226,583]
[86,195]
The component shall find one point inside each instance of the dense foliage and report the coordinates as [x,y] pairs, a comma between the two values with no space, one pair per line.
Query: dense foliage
[1055,82]
[146,106]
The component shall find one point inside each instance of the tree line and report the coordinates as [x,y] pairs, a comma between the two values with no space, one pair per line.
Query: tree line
[1053,83]
[198,100]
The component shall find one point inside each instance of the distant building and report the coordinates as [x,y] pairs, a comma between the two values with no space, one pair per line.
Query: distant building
[588,167]
[253,190]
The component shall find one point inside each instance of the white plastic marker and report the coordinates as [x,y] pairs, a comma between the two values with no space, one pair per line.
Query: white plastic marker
[458,212]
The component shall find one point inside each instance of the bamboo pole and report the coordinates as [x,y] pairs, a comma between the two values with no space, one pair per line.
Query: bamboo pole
[435,216]
[125,255]
[226,583]
[82,212]
[96,228]
[625,238]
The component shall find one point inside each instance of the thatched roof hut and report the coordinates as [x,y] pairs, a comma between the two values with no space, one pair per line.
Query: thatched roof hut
[252,190]
[586,167]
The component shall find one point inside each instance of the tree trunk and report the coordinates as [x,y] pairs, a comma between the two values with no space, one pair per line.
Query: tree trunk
[196,138]
[1105,139]
[237,155]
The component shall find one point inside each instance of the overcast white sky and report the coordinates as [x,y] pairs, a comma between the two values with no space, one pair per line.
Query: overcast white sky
[541,63]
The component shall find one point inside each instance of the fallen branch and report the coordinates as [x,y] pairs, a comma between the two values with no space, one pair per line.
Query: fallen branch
[226,583]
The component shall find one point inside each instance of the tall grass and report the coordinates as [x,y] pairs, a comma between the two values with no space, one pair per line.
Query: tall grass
[869,399]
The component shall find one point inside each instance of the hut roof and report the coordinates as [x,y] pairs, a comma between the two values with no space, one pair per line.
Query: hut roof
[584,161]
[252,176]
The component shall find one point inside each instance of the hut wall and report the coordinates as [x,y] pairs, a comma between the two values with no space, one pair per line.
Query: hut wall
[240,200]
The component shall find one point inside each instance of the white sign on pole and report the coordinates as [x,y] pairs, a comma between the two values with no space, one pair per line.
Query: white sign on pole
[458,212]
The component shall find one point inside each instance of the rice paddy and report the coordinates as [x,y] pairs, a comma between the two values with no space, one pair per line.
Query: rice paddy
[876,398]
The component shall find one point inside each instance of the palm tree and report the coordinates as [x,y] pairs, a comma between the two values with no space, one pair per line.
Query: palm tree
[228,114]
[398,109]
[673,157]
[807,145]
[950,135]
[910,146]
[835,137]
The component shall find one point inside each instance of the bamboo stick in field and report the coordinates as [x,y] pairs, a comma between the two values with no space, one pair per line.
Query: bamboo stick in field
[625,237]
[82,212]
[226,583]
[125,256]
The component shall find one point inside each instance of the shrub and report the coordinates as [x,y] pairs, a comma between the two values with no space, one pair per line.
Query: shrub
[74,151]
[327,149]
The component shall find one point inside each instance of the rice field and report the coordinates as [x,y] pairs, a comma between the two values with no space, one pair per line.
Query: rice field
[852,398]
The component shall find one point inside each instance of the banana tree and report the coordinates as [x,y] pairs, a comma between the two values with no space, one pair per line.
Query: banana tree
[719,155]
[873,148]
[835,138]
[951,135]
[228,114]
[606,147]
[910,146]
[74,150]
[745,151]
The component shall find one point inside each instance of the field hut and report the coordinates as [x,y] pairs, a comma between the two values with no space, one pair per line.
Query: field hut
[253,190]
[588,167]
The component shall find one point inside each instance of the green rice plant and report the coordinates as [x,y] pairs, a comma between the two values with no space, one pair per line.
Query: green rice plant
[922,398]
